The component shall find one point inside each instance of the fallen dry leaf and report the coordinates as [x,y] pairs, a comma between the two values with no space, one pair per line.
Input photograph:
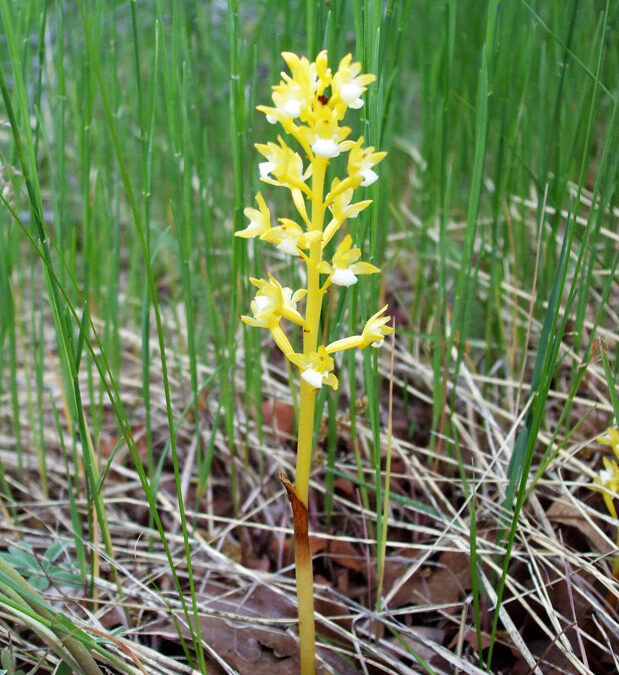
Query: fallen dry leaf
[345,554]
[567,514]
[345,486]
[245,642]
[279,415]
[443,583]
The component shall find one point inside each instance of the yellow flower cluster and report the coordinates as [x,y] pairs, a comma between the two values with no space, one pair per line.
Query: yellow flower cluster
[608,478]
[310,105]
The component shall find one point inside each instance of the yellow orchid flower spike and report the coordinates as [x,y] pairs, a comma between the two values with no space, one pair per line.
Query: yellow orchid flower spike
[310,103]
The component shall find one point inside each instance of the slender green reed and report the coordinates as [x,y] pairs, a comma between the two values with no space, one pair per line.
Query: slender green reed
[19,121]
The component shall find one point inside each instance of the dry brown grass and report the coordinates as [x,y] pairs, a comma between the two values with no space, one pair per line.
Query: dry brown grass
[560,608]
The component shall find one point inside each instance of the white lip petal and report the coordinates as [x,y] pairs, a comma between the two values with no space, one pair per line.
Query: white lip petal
[350,92]
[265,168]
[356,104]
[343,277]
[262,303]
[377,344]
[325,147]
[271,119]
[288,246]
[313,377]
[292,108]
[369,177]
[605,476]
[253,227]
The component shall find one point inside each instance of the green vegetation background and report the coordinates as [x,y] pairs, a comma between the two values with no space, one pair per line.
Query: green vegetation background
[126,143]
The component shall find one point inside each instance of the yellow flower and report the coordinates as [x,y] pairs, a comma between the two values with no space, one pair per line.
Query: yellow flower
[324,135]
[323,72]
[608,479]
[286,237]
[294,96]
[310,103]
[341,209]
[360,163]
[283,166]
[373,334]
[347,85]
[316,368]
[272,302]
[289,98]
[259,220]
[311,78]
[375,328]
[344,268]
[289,237]
[611,437]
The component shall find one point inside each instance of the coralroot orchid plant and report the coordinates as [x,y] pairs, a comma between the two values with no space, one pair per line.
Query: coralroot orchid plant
[310,105]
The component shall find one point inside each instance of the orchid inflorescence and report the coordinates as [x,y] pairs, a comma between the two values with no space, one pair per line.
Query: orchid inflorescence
[310,104]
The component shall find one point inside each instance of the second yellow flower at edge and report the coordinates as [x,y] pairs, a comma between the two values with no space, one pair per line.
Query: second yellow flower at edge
[608,479]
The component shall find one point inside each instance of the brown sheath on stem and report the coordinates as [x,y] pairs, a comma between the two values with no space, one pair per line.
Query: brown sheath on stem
[305,581]
[300,520]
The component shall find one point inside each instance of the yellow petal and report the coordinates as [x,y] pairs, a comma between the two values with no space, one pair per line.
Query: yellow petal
[332,381]
[351,342]
[281,340]
[363,268]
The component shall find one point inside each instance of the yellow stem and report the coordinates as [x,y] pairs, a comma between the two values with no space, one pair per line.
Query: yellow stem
[310,334]
[302,553]
[304,442]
